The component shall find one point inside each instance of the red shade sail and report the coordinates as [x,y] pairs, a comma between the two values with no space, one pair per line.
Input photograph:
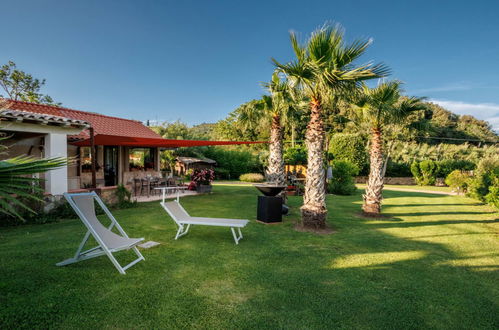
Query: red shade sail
[113,140]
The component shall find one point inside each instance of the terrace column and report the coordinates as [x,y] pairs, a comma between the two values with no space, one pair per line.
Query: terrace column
[56,180]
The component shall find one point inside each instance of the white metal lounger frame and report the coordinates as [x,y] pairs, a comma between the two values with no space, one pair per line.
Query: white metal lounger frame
[101,249]
[184,226]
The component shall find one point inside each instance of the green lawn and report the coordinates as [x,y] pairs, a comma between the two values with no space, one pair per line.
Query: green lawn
[433,265]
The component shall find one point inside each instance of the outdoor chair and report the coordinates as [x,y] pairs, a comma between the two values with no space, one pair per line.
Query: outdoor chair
[184,221]
[145,184]
[139,185]
[108,241]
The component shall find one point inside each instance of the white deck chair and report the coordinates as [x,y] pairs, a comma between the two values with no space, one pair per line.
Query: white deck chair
[184,221]
[108,242]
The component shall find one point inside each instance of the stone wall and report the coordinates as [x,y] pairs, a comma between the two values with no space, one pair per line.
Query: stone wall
[107,194]
[407,181]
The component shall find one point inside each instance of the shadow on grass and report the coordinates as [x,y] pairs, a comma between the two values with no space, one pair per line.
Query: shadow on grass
[417,214]
[371,279]
[431,223]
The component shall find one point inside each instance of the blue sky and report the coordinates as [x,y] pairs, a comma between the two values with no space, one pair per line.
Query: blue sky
[198,60]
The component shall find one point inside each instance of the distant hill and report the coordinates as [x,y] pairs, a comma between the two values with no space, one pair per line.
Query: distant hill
[446,124]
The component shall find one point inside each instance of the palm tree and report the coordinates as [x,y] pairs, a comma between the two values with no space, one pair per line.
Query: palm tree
[323,68]
[279,108]
[16,178]
[378,107]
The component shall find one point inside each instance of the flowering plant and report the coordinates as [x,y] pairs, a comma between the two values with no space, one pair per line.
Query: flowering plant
[191,186]
[203,177]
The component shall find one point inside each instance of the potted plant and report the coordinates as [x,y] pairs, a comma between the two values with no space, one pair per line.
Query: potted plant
[203,179]
[291,190]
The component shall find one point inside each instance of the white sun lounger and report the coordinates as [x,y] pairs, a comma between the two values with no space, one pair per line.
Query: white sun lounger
[184,221]
[108,242]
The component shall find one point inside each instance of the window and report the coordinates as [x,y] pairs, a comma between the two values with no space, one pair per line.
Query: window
[141,159]
[86,159]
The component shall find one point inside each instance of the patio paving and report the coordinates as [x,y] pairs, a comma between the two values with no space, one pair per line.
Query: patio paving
[157,197]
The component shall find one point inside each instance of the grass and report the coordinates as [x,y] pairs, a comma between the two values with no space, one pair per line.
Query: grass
[434,264]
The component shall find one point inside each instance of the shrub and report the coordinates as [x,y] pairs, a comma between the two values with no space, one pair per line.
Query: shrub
[395,169]
[342,182]
[349,147]
[493,196]
[221,173]
[445,167]
[295,155]
[252,177]
[233,163]
[203,177]
[458,180]
[484,185]
[424,172]
[124,197]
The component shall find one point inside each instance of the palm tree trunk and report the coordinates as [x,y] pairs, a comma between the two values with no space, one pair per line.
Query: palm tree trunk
[313,211]
[374,189]
[275,172]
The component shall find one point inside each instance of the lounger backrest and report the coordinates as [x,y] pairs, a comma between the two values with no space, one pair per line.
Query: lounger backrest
[176,211]
[86,205]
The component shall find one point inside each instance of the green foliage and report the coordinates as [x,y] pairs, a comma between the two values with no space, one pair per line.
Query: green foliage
[325,63]
[395,169]
[424,172]
[233,163]
[384,105]
[446,124]
[295,155]
[176,130]
[458,180]
[243,124]
[349,147]
[16,181]
[252,177]
[493,196]
[38,215]
[19,85]
[202,131]
[342,182]
[124,197]
[167,159]
[484,185]
[408,152]
[445,167]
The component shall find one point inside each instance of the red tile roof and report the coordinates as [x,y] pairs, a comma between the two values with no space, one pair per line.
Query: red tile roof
[105,125]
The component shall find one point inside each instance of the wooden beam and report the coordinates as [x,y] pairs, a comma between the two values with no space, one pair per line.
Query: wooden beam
[94,157]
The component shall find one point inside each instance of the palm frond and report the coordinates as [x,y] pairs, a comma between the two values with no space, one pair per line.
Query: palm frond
[16,181]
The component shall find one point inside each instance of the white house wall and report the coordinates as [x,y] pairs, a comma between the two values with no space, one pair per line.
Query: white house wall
[56,181]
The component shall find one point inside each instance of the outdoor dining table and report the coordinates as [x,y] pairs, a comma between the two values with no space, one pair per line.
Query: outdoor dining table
[165,189]
[148,182]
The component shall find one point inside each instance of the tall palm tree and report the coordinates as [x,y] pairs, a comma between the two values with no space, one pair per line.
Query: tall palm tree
[323,67]
[378,107]
[279,108]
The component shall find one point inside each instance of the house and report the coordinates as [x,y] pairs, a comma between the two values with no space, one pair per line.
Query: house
[124,149]
[184,164]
